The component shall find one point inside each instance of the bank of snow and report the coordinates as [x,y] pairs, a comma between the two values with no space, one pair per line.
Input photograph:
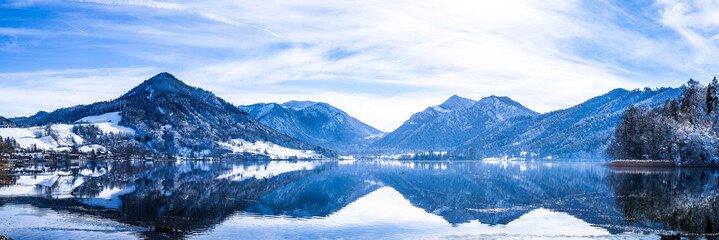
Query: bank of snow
[269,149]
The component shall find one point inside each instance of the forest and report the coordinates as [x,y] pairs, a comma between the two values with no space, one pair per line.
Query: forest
[683,130]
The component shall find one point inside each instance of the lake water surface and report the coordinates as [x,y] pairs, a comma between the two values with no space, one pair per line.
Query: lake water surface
[353,200]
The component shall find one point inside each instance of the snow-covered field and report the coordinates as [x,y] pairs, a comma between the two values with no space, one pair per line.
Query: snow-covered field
[272,150]
[26,137]
[108,123]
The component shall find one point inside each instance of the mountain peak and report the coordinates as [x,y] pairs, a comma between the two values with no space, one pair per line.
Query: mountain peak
[456,102]
[298,105]
[163,77]
[162,82]
[501,98]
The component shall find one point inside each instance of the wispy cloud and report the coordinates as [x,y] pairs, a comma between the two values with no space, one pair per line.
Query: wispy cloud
[698,23]
[180,7]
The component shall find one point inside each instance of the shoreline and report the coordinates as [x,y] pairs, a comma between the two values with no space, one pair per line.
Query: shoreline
[624,163]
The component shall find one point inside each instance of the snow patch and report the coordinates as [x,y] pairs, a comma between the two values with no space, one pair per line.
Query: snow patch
[108,123]
[373,136]
[440,109]
[269,149]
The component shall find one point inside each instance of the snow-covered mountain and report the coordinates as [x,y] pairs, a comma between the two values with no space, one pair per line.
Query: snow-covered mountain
[164,115]
[452,123]
[582,131]
[315,122]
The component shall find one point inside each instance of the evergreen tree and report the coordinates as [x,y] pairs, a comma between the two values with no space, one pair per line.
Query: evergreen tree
[691,99]
[712,96]
[674,109]
[627,138]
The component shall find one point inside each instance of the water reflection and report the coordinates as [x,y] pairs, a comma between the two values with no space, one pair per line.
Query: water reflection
[686,200]
[351,199]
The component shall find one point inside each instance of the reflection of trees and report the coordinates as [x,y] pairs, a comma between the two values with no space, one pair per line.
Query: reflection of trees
[686,200]
[6,174]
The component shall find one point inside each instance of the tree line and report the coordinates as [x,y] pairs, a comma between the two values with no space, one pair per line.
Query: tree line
[7,146]
[683,130]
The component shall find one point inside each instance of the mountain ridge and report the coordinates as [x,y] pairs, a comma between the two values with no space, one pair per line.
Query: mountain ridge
[580,131]
[314,122]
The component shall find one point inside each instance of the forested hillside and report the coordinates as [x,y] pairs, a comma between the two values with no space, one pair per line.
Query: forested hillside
[683,130]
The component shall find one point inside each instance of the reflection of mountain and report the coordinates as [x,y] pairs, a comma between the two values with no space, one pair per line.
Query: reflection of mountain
[459,193]
[315,196]
[193,197]
[686,200]
[386,214]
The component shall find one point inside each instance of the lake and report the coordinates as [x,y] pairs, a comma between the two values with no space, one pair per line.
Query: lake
[349,199]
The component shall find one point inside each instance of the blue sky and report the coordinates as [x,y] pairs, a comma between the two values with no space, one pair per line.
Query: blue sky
[380,61]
